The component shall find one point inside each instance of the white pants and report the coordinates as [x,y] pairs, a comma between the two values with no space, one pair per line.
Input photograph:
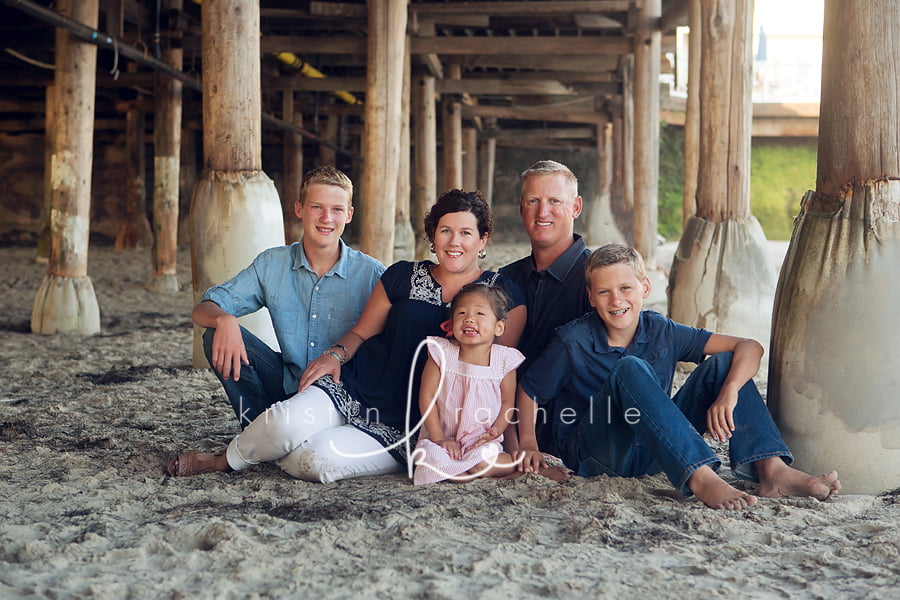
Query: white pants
[309,439]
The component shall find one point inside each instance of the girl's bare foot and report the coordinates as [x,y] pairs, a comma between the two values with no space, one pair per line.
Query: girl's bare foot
[778,479]
[714,492]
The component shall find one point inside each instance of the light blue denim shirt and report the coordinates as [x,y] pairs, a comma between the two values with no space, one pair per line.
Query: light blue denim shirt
[308,313]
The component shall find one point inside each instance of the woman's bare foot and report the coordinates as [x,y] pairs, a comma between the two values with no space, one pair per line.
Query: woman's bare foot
[778,479]
[197,463]
[713,491]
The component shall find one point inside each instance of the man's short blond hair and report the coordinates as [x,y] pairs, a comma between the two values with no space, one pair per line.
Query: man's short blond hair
[551,167]
[326,175]
[615,254]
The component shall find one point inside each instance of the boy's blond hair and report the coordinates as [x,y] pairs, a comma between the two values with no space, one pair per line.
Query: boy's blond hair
[614,254]
[326,175]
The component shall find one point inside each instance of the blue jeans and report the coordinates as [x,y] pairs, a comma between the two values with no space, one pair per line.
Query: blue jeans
[262,381]
[642,431]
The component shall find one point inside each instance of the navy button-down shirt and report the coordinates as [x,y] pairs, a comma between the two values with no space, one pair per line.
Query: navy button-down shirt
[553,296]
[572,371]
[308,313]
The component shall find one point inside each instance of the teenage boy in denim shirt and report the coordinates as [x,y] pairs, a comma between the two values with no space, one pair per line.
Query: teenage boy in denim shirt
[314,289]
[611,373]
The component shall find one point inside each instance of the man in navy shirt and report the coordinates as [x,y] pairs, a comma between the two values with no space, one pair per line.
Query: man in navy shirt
[610,373]
[552,276]
[314,290]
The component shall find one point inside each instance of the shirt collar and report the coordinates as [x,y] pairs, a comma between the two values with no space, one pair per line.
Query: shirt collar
[600,339]
[561,267]
[340,268]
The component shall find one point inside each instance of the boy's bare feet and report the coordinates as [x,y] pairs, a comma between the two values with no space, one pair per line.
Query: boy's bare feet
[713,491]
[778,479]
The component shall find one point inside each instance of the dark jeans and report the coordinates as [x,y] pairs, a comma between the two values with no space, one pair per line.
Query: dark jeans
[662,434]
[261,383]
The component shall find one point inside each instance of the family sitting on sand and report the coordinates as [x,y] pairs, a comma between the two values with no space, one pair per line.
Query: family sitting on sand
[560,332]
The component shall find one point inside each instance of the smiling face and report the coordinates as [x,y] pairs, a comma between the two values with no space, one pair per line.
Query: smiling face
[549,208]
[456,242]
[325,213]
[474,320]
[617,294]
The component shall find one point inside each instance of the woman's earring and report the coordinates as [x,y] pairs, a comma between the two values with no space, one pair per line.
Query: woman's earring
[482,253]
[432,248]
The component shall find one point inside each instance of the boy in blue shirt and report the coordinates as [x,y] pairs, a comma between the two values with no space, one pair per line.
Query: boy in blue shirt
[610,373]
[314,290]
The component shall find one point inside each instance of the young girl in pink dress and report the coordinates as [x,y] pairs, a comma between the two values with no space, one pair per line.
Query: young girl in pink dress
[466,412]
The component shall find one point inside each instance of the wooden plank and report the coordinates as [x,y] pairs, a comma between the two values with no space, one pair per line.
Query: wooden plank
[502,87]
[561,76]
[546,144]
[338,9]
[567,133]
[477,21]
[312,44]
[516,46]
[574,62]
[674,15]
[594,21]
[785,127]
[297,82]
[530,114]
[519,46]
[760,109]
[523,9]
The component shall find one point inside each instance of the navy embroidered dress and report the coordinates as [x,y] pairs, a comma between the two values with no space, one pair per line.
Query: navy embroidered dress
[374,386]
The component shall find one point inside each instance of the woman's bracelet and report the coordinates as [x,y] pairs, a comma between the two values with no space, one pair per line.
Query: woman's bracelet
[339,358]
[343,350]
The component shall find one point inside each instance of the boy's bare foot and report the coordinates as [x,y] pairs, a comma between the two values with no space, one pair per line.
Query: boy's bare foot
[197,463]
[778,479]
[714,492]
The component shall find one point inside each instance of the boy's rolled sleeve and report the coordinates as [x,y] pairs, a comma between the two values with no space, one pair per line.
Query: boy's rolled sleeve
[241,295]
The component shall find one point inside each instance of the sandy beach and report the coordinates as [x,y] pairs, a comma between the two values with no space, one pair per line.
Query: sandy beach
[87,426]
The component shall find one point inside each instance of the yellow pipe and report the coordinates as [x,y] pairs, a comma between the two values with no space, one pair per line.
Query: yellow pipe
[306,69]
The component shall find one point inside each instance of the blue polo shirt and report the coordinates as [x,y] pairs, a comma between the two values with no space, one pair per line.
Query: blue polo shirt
[553,296]
[308,313]
[575,366]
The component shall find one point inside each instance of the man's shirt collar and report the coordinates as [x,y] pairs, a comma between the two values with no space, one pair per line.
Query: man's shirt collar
[561,267]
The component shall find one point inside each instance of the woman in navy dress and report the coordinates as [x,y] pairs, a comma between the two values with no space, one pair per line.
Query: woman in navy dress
[349,416]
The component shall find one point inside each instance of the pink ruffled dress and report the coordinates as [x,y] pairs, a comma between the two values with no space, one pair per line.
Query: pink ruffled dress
[468,404]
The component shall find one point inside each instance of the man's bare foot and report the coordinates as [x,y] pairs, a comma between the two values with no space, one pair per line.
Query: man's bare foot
[713,491]
[556,473]
[778,479]
[198,463]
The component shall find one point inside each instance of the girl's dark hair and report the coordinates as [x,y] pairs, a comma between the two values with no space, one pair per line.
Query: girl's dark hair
[453,201]
[497,298]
